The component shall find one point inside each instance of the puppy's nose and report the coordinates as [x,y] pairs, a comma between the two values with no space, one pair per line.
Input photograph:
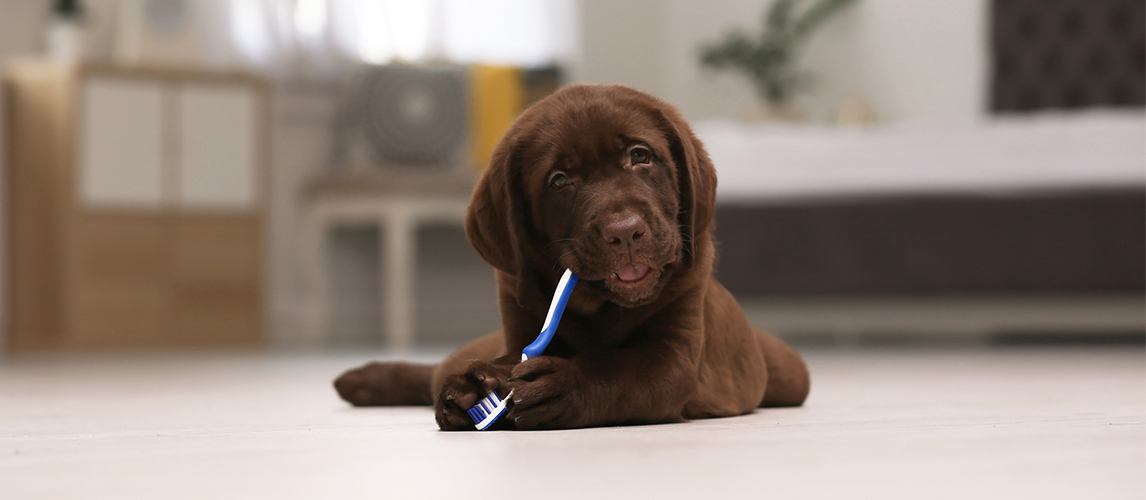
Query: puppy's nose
[625,233]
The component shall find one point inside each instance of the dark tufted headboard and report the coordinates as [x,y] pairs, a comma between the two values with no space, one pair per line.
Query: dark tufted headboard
[1068,54]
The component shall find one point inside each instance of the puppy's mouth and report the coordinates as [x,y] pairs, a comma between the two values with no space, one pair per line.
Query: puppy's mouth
[632,273]
[634,282]
[631,282]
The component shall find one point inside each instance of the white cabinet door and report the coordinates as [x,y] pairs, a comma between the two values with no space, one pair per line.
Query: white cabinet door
[218,147]
[121,144]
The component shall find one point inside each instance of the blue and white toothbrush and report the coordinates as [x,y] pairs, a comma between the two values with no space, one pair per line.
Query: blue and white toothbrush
[491,407]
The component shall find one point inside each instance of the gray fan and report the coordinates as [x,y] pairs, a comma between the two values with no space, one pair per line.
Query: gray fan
[415,115]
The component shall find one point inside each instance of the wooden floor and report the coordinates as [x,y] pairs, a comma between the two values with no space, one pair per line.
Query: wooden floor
[1006,423]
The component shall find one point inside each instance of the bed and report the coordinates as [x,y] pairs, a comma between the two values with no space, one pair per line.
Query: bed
[1042,204]
[1021,207]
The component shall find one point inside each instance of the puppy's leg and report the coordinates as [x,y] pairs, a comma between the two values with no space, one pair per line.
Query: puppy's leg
[788,379]
[403,384]
[386,384]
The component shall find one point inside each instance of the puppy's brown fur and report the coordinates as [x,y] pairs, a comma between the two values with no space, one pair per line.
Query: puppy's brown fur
[612,183]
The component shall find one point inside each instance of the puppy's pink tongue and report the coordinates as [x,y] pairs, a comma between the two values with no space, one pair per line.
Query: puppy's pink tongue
[633,272]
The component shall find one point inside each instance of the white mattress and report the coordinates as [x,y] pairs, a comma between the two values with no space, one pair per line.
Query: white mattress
[1046,151]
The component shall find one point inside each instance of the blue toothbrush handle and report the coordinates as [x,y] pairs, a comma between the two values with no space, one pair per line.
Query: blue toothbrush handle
[556,308]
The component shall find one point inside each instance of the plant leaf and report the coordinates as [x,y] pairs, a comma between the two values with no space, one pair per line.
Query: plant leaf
[816,15]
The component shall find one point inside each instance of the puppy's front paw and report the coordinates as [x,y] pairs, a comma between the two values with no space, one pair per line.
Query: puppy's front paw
[548,393]
[461,391]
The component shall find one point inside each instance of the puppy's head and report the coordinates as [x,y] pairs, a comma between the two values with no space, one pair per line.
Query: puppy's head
[604,180]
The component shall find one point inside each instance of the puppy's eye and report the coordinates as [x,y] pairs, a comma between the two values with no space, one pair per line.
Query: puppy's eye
[639,156]
[558,180]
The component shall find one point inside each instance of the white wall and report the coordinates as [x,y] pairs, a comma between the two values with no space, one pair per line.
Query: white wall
[621,42]
[907,59]
[21,26]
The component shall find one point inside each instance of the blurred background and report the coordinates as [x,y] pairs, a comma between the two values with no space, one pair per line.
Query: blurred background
[293,173]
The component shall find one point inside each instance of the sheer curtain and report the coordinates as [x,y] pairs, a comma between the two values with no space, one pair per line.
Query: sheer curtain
[322,36]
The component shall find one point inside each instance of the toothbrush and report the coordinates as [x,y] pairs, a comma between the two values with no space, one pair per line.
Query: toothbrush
[491,407]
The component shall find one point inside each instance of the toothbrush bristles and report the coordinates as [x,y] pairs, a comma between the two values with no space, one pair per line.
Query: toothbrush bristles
[487,411]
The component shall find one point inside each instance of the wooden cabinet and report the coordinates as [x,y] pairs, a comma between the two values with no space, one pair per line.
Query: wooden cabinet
[136,201]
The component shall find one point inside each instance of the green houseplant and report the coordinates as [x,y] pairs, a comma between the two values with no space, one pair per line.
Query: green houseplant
[768,58]
[67,9]
[64,34]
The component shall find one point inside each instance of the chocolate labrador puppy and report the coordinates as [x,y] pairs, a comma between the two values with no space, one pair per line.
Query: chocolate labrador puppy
[611,183]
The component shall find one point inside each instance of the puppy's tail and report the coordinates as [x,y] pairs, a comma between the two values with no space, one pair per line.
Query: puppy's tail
[387,384]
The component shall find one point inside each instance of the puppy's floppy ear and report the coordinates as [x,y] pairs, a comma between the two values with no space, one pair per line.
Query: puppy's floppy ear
[495,219]
[492,219]
[696,177]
